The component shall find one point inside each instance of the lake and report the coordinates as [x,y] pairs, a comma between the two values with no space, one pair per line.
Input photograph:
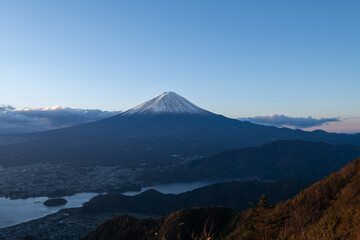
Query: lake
[16,211]
[175,188]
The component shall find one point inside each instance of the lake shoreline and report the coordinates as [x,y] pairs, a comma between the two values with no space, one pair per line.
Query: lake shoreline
[17,211]
[36,203]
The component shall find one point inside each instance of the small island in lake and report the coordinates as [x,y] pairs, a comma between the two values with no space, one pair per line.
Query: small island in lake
[55,202]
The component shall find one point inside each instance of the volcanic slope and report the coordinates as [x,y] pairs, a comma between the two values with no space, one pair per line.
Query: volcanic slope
[162,131]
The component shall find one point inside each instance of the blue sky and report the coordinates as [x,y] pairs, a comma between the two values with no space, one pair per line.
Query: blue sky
[237,58]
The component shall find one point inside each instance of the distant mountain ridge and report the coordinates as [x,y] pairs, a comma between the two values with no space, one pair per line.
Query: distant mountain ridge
[282,159]
[150,134]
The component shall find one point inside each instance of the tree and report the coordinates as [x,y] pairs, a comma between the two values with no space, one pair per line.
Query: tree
[262,225]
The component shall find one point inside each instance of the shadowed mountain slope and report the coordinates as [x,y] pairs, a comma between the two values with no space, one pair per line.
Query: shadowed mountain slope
[329,209]
[236,195]
[283,159]
[186,224]
[151,133]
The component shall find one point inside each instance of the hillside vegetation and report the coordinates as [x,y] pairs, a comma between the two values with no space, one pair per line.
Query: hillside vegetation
[328,209]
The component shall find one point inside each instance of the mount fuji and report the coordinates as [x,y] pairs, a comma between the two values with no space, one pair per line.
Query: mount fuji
[166,102]
[159,132]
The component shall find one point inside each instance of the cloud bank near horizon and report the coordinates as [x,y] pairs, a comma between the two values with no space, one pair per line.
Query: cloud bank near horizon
[25,120]
[14,120]
[277,120]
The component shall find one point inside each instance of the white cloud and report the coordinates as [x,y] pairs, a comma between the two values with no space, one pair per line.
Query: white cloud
[39,119]
[286,121]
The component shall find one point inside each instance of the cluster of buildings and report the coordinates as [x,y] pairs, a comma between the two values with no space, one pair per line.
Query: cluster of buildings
[61,179]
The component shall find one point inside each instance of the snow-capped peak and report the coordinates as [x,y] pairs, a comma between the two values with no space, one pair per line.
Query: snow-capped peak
[166,102]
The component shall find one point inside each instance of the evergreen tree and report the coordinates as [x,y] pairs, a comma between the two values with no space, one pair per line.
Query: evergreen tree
[263,225]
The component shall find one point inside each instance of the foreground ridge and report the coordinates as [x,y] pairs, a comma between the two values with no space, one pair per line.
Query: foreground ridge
[329,209]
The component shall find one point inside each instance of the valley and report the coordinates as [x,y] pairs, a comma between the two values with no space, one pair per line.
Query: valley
[166,142]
